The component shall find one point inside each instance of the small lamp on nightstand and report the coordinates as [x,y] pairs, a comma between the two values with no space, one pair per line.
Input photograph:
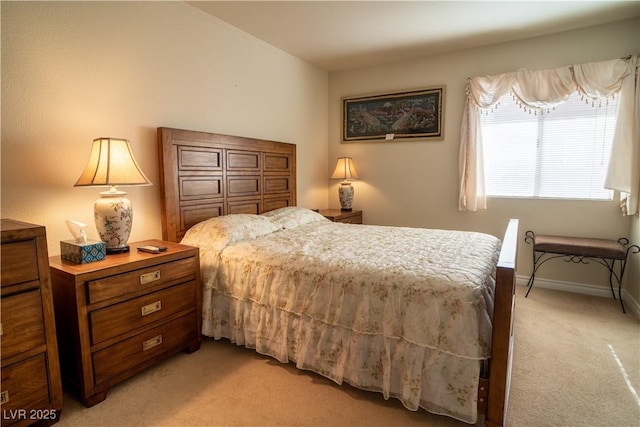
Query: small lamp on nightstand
[111,163]
[346,171]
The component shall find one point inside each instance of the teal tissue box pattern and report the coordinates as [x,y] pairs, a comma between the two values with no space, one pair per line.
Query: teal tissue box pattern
[82,253]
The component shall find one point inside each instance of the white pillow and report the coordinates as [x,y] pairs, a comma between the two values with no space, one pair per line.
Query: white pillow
[213,235]
[293,216]
[220,231]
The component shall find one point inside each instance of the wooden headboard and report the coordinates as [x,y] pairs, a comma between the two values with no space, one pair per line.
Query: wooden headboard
[203,175]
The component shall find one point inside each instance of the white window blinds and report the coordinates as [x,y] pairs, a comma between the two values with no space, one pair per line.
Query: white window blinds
[563,153]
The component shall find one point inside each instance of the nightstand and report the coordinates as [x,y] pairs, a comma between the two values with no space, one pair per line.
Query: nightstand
[119,316]
[337,215]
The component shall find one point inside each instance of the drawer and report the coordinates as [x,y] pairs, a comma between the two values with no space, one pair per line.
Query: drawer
[120,318]
[356,219]
[19,262]
[24,385]
[155,276]
[129,353]
[22,323]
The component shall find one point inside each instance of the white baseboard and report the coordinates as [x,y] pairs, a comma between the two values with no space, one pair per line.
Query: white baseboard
[630,304]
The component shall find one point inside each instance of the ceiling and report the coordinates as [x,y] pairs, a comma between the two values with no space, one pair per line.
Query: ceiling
[342,35]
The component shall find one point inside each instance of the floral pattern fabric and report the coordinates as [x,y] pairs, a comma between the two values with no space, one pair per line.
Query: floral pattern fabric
[402,311]
[293,216]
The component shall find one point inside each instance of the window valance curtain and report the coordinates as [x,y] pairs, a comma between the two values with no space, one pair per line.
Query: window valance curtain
[540,91]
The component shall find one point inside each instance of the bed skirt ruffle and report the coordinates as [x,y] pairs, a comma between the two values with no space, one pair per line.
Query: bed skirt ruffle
[419,376]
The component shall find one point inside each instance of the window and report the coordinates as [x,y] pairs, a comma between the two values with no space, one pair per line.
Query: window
[563,153]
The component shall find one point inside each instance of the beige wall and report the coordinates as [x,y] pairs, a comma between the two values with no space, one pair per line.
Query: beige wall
[75,71]
[416,183]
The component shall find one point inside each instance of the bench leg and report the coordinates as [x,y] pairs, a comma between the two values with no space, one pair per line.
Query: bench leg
[619,290]
[611,274]
[621,303]
[537,262]
[618,279]
[530,282]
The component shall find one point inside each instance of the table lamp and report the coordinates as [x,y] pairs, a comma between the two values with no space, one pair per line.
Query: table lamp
[111,163]
[346,171]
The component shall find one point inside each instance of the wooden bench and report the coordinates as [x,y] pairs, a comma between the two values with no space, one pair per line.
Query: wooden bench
[579,250]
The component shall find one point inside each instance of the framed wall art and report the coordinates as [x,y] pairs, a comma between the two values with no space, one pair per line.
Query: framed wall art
[393,116]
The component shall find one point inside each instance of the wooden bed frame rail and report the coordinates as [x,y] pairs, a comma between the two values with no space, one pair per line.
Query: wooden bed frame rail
[502,338]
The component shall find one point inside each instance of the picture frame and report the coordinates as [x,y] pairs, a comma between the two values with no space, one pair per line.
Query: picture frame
[412,114]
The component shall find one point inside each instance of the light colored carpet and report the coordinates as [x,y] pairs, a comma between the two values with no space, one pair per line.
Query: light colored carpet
[576,363]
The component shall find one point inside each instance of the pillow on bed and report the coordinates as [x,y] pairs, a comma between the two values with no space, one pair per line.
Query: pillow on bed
[214,234]
[293,216]
[220,231]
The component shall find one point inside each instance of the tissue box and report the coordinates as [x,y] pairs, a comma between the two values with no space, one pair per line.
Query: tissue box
[82,253]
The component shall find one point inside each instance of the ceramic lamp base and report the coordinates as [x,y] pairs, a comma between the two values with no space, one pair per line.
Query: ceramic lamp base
[345,193]
[113,216]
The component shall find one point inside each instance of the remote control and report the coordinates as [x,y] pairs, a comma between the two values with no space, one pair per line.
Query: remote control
[152,249]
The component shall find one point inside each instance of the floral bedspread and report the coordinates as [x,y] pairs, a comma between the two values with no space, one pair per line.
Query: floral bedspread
[402,311]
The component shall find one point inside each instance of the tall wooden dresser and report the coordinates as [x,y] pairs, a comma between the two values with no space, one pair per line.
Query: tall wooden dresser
[31,384]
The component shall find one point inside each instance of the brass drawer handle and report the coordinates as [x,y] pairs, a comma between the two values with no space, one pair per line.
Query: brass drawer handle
[151,308]
[149,277]
[153,342]
[4,397]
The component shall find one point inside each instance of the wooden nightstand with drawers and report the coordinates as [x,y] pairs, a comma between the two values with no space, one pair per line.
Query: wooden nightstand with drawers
[337,215]
[119,316]
[31,389]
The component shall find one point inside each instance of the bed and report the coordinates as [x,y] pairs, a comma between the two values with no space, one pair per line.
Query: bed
[424,316]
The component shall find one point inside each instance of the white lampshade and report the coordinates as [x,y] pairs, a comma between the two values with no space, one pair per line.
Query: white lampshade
[111,163]
[345,170]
